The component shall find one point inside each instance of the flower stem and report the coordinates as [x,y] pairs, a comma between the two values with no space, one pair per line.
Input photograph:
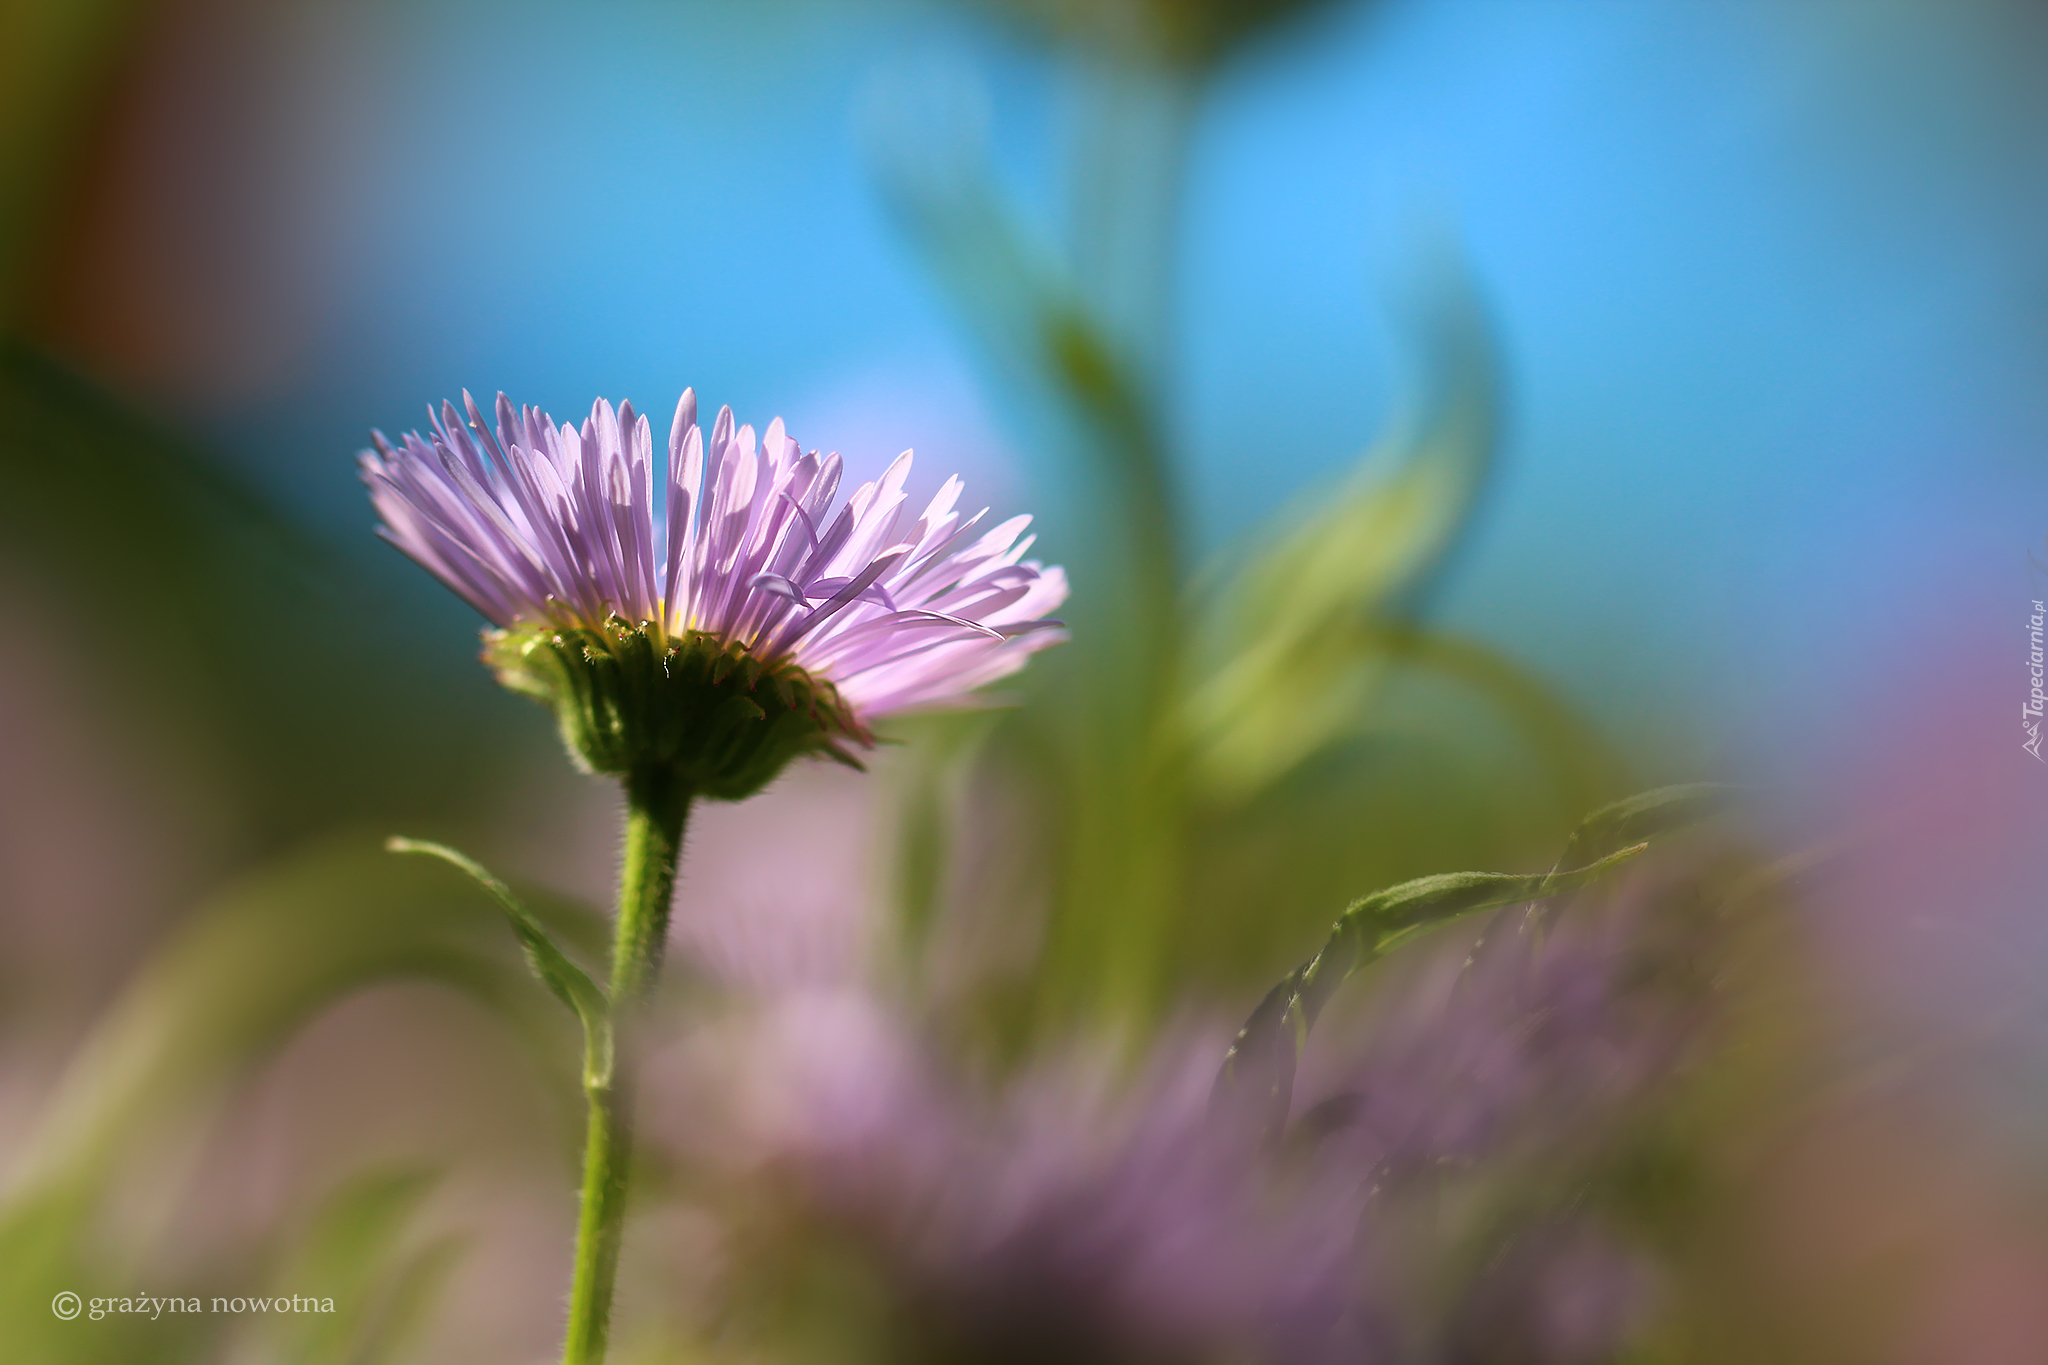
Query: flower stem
[657,803]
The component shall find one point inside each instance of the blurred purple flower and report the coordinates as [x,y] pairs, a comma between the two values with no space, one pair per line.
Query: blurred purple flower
[1429,1208]
[1074,1215]
[1528,1038]
[1500,1082]
[549,524]
[1561,1292]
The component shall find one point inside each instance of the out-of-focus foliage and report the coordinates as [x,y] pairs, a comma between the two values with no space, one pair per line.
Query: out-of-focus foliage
[1291,652]
[236,981]
[1262,1060]
[224,624]
[383,1285]
[1499,1150]
[1189,743]
[1193,33]
[55,61]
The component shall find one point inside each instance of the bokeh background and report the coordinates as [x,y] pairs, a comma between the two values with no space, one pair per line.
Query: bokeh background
[1705,343]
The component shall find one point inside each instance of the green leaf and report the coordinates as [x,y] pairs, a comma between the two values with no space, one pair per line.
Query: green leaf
[1262,1060]
[1575,760]
[1297,630]
[261,650]
[1646,815]
[567,980]
[358,1225]
[1263,1057]
[354,1253]
[229,986]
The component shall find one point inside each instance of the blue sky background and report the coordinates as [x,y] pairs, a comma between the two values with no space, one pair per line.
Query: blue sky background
[1770,282]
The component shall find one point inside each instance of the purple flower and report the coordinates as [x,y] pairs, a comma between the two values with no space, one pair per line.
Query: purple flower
[553,527]
[1074,1214]
[1449,1194]
[1525,1041]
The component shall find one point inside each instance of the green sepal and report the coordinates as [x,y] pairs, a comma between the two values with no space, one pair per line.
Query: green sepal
[630,697]
[570,984]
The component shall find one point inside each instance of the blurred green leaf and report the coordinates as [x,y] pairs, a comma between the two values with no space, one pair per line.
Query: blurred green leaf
[929,791]
[354,1253]
[1577,760]
[248,970]
[56,60]
[1646,815]
[1107,746]
[235,630]
[933,174]
[1194,34]
[232,985]
[1042,335]
[1262,1059]
[1260,1066]
[1298,635]
[1435,779]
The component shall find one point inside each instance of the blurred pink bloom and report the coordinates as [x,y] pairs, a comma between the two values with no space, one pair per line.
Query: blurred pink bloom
[1076,1213]
[1079,1212]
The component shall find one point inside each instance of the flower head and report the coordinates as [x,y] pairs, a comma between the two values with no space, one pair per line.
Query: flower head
[732,623]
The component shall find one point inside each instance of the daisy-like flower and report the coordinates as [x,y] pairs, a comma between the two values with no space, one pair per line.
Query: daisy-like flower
[732,623]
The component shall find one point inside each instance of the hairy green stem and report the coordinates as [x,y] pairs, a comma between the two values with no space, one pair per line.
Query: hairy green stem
[657,803]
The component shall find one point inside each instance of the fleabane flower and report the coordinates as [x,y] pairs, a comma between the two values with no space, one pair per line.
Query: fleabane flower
[732,623]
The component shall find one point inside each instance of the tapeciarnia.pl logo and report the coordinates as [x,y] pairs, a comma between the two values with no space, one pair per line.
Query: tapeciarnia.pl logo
[2030,714]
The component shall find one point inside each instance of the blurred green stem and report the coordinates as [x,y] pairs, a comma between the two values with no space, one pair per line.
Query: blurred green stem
[1132,132]
[657,804]
[1585,770]
[1113,360]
